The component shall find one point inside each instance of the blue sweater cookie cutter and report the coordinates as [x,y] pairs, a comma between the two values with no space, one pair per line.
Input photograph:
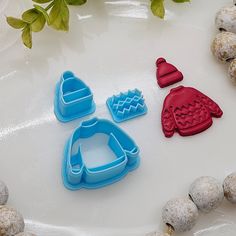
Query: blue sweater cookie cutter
[73,98]
[76,175]
[126,106]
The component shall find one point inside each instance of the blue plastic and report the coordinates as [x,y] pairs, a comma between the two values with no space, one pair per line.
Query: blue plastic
[73,98]
[126,106]
[76,175]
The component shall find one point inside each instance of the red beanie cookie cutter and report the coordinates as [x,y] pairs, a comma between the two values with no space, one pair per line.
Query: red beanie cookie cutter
[187,111]
[166,73]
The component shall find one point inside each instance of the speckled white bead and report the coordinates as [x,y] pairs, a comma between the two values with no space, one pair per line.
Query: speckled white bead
[224,46]
[232,70]
[207,193]
[226,19]
[25,234]
[3,193]
[11,221]
[230,187]
[180,213]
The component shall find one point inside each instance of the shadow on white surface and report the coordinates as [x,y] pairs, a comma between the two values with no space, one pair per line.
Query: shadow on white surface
[50,230]
[220,228]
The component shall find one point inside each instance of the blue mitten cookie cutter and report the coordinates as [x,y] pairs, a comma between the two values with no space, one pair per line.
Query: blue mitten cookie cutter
[76,175]
[73,98]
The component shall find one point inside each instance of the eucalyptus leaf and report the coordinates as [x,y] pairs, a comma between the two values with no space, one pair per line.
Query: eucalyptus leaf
[76,2]
[158,9]
[34,20]
[42,1]
[43,11]
[39,23]
[59,15]
[27,36]
[16,23]
[30,15]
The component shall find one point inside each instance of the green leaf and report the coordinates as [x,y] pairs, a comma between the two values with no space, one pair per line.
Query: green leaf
[181,1]
[59,15]
[15,22]
[30,15]
[35,18]
[42,1]
[158,9]
[39,23]
[43,11]
[27,36]
[76,2]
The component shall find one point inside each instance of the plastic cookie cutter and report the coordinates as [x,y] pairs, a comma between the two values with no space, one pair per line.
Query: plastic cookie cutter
[125,106]
[73,98]
[77,174]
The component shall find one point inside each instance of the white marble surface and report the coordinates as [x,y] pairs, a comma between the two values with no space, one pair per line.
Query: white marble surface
[112,46]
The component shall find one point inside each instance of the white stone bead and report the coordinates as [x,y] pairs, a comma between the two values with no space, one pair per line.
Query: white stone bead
[226,19]
[11,221]
[207,193]
[230,187]
[25,234]
[224,46]
[3,193]
[232,70]
[180,213]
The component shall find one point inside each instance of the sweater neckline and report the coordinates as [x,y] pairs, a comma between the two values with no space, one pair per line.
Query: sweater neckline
[177,88]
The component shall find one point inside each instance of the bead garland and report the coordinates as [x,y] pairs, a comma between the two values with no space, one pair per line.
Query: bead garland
[205,194]
[11,221]
[223,46]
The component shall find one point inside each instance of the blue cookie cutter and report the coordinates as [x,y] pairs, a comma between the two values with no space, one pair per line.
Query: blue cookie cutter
[126,106]
[76,175]
[73,98]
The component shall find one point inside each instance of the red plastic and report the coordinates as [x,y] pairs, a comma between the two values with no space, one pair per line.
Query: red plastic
[187,111]
[166,73]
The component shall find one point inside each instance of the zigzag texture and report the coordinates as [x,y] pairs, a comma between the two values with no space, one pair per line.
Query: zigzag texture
[188,111]
[127,105]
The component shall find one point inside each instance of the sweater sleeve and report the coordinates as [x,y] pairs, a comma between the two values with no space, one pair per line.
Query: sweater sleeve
[211,105]
[168,123]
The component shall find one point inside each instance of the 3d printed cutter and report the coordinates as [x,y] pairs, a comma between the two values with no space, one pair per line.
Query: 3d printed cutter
[75,173]
[73,98]
[126,106]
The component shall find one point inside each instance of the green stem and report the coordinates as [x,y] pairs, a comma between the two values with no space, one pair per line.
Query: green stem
[49,6]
